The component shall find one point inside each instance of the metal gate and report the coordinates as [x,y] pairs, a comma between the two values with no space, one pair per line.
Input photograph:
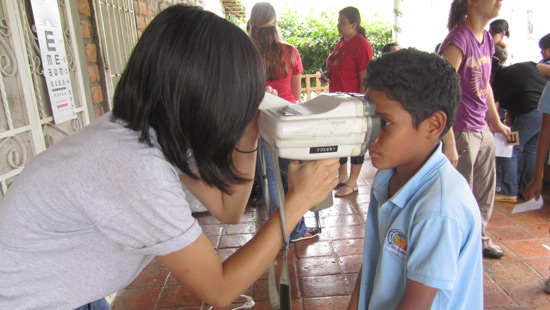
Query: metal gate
[26,122]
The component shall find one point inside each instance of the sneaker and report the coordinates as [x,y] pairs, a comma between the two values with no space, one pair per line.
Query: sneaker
[311,233]
[504,198]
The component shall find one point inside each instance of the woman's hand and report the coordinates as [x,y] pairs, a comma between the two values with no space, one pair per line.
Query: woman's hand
[533,189]
[311,182]
[272,91]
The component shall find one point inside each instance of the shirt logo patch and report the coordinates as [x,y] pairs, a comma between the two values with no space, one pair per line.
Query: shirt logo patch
[397,243]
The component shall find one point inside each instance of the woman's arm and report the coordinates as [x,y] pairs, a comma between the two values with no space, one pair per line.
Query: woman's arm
[362,75]
[544,70]
[454,55]
[198,267]
[296,84]
[534,188]
[229,209]
[492,117]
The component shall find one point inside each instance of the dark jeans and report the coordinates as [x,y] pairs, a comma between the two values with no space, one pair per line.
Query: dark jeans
[301,229]
[100,304]
[516,172]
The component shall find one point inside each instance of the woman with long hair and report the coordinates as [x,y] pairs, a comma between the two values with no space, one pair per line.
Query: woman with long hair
[347,67]
[283,68]
[470,145]
[87,215]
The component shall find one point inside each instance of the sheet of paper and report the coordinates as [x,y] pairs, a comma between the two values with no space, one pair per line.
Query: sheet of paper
[501,149]
[271,101]
[528,206]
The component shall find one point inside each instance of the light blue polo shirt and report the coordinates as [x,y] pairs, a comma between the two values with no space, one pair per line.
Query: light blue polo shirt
[429,232]
[544,101]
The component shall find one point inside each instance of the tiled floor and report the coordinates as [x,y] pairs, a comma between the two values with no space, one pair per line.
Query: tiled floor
[323,270]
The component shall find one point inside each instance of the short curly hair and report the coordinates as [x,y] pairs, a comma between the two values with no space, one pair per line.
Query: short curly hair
[422,82]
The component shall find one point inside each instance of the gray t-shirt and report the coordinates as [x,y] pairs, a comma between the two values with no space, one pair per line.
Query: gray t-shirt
[86,216]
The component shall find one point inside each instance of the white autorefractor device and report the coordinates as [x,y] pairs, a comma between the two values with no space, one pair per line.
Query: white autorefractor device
[328,126]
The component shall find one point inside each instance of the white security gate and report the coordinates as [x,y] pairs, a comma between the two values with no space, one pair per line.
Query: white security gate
[116,23]
[26,122]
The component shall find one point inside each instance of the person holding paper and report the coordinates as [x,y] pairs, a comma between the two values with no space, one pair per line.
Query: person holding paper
[517,89]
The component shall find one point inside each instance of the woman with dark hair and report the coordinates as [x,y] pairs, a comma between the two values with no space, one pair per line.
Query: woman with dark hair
[283,67]
[498,30]
[469,49]
[347,66]
[87,215]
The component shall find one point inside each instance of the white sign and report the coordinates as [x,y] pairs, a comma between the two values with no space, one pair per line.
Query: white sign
[54,59]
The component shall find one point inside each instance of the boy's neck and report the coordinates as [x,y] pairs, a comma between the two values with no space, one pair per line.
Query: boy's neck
[402,175]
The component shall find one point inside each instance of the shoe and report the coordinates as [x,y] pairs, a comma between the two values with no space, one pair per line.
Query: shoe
[504,198]
[338,195]
[547,286]
[311,233]
[340,184]
[494,252]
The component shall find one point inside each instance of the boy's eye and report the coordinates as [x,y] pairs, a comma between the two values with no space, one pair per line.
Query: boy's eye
[384,122]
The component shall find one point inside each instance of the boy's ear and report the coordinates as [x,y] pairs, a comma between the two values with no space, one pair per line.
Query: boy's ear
[435,124]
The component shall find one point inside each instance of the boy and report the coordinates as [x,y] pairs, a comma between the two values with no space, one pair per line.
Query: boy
[422,240]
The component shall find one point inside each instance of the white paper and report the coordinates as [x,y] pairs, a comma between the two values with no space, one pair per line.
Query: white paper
[271,101]
[501,149]
[529,206]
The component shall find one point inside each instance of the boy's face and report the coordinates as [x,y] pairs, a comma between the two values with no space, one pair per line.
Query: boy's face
[399,144]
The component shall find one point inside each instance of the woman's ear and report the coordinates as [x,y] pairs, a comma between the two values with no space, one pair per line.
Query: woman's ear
[435,124]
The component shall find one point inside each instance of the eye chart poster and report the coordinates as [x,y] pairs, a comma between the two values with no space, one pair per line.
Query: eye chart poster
[54,59]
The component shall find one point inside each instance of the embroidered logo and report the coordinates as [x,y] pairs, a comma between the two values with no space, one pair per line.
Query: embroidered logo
[397,243]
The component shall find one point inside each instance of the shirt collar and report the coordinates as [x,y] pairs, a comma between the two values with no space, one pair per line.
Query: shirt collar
[400,199]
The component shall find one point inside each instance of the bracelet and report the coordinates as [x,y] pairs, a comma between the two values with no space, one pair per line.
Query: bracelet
[246,152]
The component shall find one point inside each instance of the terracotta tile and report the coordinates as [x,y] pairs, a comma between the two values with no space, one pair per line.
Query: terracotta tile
[342,220]
[241,228]
[487,278]
[530,217]
[528,248]
[504,207]
[347,232]
[337,209]
[214,240]
[249,217]
[177,296]
[351,263]
[205,218]
[296,304]
[527,293]
[326,303]
[541,265]
[150,277]
[155,263]
[498,219]
[309,248]
[539,230]
[237,303]
[317,266]
[324,286]
[137,299]
[212,229]
[511,270]
[224,254]
[234,241]
[348,247]
[507,233]
[261,291]
[495,297]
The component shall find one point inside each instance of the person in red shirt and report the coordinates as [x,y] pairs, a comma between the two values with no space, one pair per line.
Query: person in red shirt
[347,66]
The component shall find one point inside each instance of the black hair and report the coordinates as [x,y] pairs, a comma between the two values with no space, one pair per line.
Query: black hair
[197,80]
[544,42]
[352,14]
[387,47]
[500,26]
[422,82]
